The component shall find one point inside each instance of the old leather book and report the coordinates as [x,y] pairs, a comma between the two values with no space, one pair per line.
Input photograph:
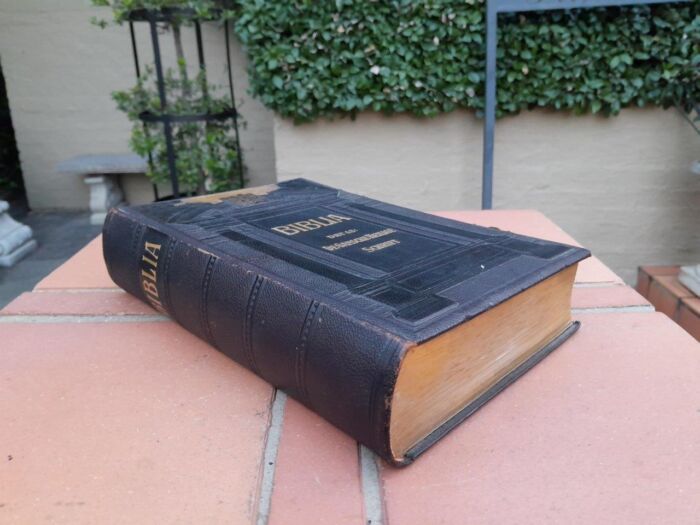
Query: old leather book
[392,324]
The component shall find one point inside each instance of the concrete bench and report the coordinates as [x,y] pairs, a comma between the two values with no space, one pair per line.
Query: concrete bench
[138,419]
[99,172]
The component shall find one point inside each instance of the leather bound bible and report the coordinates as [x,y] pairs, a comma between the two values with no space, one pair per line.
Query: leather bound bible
[392,324]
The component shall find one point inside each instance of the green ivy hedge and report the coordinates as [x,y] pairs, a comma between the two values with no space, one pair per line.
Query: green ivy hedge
[312,58]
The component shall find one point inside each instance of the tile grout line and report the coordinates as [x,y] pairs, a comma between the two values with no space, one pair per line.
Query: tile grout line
[371,487]
[274,433]
[613,309]
[71,318]
[134,318]
[600,284]
[75,290]
[584,284]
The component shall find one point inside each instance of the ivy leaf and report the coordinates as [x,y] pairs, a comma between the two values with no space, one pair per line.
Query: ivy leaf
[386,58]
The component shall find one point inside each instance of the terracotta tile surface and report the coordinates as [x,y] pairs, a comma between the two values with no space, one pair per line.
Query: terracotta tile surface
[101,302]
[85,269]
[126,423]
[665,293]
[604,430]
[525,222]
[656,271]
[692,304]
[615,296]
[317,479]
[81,271]
[88,302]
[135,421]
[671,283]
[536,224]
[689,316]
[592,270]
[645,273]
[669,296]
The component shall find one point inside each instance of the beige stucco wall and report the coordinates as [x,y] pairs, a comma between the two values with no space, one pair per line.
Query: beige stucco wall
[60,70]
[622,186]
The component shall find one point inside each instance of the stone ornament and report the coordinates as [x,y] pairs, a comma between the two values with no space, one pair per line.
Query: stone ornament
[16,239]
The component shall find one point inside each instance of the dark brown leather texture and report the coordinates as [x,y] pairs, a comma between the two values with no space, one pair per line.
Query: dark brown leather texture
[319,291]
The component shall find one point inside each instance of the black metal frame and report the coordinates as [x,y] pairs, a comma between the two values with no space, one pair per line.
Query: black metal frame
[168,15]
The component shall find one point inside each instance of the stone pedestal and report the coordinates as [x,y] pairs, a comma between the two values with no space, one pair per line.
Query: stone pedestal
[15,238]
[104,194]
[689,276]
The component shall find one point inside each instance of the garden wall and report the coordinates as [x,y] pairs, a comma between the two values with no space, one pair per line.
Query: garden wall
[60,70]
[622,185]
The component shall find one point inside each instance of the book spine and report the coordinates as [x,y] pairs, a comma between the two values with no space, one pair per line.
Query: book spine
[342,368]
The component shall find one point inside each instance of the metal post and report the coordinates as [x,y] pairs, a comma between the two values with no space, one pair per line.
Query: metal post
[200,57]
[135,50]
[167,128]
[233,103]
[137,66]
[489,105]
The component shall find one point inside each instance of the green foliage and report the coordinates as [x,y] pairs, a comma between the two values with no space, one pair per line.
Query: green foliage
[190,9]
[206,153]
[310,59]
